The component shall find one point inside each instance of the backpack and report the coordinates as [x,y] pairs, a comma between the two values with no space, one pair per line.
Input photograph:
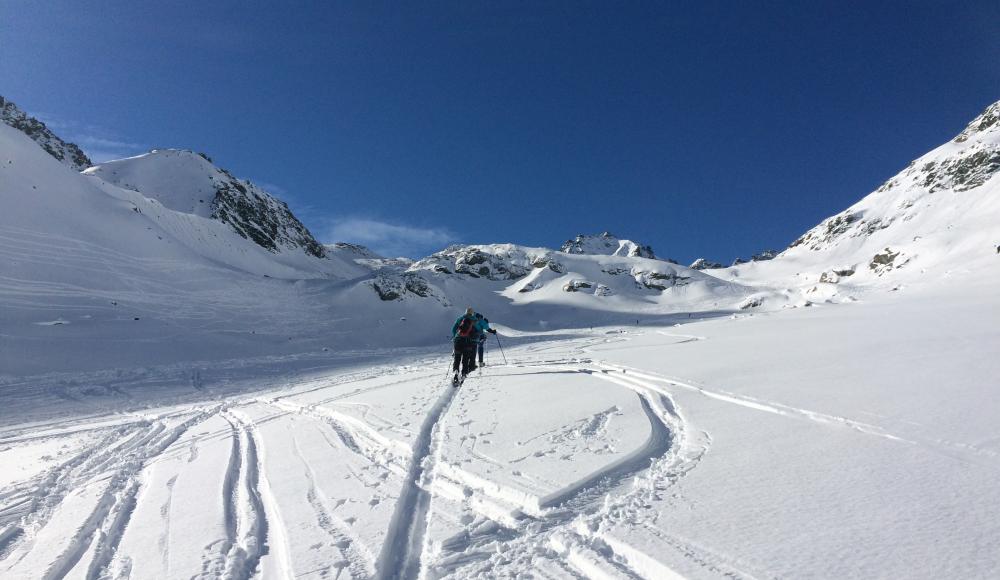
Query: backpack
[466,328]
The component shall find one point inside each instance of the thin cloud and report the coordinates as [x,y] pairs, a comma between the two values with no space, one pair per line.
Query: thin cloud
[388,239]
[100,150]
[98,143]
[274,189]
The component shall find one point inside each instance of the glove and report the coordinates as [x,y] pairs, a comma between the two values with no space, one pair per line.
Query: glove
[491,331]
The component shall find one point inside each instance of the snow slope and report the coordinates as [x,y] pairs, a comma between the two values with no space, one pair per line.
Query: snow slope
[851,441]
[935,219]
[93,275]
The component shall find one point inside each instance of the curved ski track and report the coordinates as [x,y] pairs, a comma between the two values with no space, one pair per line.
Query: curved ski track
[568,523]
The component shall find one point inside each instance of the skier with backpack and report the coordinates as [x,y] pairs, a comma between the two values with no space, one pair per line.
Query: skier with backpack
[484,327]
[465,336]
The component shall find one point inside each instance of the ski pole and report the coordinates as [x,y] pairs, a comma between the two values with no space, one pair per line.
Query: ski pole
[501,348]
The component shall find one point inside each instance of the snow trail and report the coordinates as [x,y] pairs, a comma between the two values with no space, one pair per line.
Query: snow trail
[246,519]
[401,553]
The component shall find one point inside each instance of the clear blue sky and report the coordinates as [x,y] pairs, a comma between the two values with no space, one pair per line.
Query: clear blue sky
[703,128]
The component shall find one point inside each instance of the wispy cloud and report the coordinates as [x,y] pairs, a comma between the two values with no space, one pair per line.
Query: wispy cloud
[273,188]
[100,149]
[388,239]
[99,143]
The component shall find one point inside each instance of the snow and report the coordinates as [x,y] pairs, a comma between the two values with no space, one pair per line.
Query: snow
[180,402]
[659,451]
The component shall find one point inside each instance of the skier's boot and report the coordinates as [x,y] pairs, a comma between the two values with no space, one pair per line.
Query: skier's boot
[455,380]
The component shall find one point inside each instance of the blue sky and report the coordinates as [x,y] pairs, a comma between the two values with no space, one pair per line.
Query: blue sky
[710,129]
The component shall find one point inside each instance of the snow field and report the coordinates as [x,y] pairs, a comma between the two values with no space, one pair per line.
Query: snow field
[654,452]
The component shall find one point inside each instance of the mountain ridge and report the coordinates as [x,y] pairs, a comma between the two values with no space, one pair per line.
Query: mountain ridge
[69,154]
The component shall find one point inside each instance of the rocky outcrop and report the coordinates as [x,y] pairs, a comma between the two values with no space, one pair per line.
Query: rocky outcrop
[67,153]
[703,264]
[653,280]
[260,217]
[606,244]
[492,262]
[392,286]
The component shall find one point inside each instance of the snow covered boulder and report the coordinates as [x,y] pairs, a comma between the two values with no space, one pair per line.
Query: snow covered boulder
[885,261]
[656,280]
[577,285]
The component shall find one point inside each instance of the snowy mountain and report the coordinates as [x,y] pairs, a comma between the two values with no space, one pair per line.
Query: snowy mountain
[189,388]
[188,182]
[606,244]
[66,153]
[601,285]
[935,218]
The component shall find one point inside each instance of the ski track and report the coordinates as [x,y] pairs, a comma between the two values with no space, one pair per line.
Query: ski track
[356,558]
[401,553]
[653,381]
[247,524]
[115,463]
[571,523]
[568,522]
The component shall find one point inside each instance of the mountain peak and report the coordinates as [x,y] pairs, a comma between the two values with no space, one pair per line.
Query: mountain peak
[67,153]
[987,122]
[606,244]
[188,182]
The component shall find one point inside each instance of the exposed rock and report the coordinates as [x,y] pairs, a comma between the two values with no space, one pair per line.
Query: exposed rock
[576,285]
[885,261]
[67,153]
[606,244]
[703,264]
[988,119]
[497,262]
[834,276]
[970,170]
[396,286]
[827,230]
[258,216]
[764,256]
[659,280]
